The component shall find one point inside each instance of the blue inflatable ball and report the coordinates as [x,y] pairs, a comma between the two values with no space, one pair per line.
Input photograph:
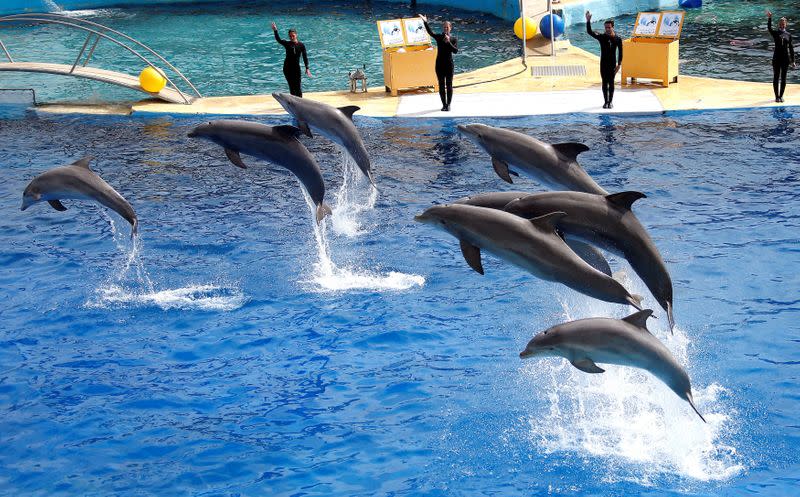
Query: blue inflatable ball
[558,26]
[691,4]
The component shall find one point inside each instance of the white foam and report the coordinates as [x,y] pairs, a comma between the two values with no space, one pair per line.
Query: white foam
[626,415]
[350,201]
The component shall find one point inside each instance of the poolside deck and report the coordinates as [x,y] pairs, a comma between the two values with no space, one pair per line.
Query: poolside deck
[505,89]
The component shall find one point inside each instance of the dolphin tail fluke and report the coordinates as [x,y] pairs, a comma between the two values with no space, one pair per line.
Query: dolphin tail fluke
[691,403]
[670,318]
[323,210]
[635,300]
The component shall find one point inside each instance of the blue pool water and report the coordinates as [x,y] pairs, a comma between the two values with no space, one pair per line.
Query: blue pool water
[228,48]
[225,355]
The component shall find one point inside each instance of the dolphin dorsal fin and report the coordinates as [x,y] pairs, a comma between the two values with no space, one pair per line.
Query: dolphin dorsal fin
[548,221]
[639,319]
[570,150]
[288,129]
[84,163]
[625,199]
[349,110]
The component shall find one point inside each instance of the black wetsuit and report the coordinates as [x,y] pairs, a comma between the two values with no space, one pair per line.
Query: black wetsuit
[608,60]
[444,65]
[291,65]
[781,58]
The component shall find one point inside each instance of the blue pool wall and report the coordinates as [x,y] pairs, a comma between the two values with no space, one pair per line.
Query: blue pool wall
[505,9]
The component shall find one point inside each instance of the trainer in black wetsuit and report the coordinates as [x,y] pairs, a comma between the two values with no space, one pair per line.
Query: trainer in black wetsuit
[447,46]
[291,65]
[609,64]
[782,57]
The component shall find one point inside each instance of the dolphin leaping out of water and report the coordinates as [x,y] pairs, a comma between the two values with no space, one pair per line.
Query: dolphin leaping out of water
[332,123]
[555,166]
[77,181]
[625,342]
[531,244]
[278,144]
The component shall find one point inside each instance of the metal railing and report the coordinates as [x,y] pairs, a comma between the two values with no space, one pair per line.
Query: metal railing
[99,31]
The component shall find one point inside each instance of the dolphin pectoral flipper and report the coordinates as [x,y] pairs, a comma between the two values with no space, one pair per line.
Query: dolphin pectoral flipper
[349,110]
[323,210]
[235,158]
[501,168]
[570,150]
[472,255]
[587,366]
[639,319]
[636,301]
[625,199]
[588,253]
[55,204]
[303,126]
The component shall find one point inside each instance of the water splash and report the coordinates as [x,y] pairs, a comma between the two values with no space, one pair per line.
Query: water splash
[131,285]
[349,201]
[327,276]
[626,416]
[51,6]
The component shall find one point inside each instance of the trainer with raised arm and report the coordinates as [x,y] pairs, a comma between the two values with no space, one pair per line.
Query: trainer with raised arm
[610,43]
[291,64]
[782,57]
[447,45]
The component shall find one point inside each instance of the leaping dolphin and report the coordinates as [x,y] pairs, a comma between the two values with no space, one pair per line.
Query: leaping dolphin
[626,342]
[332,123]
[276,144]
[555,166]
[498,200]
[532,245]
[77,181]
[608,222]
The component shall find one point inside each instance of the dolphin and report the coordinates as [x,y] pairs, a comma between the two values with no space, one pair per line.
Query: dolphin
[555,166]
[77,181]
[332,123]
[498,200]
[608,222]
[532,245]
[276,144]
[626,342]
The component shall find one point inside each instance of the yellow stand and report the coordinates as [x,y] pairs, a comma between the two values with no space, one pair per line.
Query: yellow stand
[650,58]
[409,69]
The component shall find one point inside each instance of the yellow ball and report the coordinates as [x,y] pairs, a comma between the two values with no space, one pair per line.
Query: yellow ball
[530,28]
[152,79]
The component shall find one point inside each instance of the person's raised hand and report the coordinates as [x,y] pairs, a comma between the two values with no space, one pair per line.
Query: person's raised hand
[769,14]
[424,19]
[588,16]
[274,27]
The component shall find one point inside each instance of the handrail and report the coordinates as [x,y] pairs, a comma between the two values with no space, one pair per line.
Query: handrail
[74,23]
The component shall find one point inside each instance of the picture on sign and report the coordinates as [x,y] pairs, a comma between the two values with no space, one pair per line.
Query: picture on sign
[391,33]
[671,23]
[415,32]
[646,24]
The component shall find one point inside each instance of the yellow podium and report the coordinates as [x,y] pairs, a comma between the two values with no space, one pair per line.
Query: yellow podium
[652,52]
[408,56]
[409,70]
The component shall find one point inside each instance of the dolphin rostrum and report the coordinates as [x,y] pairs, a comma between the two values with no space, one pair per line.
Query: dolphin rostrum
[626,342]
[77,181]
[276,144]
[532,245]
[498,200]
[332,123]
[555,166]
[608,222]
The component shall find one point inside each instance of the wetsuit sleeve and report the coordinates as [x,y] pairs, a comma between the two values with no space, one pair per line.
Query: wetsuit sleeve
[454,44]
[589,30]
[278,37]
[305,57]
[791,50]
[428,29]
[619,47]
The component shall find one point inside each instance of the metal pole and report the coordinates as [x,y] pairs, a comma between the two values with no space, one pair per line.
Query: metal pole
[81,53]
[6,51]
[552,34]
[524,34]
[91,51]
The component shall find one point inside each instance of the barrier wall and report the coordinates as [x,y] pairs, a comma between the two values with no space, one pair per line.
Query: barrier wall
[505,9]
